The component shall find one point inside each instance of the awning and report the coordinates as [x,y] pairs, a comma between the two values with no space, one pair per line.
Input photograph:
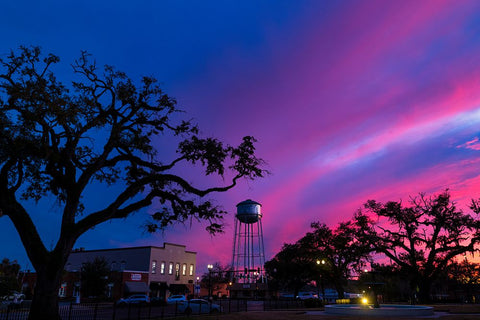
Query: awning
[136,287]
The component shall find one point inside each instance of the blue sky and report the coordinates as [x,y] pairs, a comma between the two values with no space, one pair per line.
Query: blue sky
[350,100]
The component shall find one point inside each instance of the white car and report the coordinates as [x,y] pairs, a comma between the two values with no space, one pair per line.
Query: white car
[15,299]
[176,298]
[197,306]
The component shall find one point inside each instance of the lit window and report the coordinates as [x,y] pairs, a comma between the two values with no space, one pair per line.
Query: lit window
[191,270]
[184,269]
[170,268]
[177,271]
[154,266]
[162,267]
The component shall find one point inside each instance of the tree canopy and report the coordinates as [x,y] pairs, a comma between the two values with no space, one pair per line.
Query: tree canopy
[422,238]
[321,255]
[337,252]
[57,139]
[94,276]
[218,274]
[290,269]
[9,282]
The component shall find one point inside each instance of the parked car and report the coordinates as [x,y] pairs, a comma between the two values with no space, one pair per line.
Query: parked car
[307,295]
[158,301]
[197,306]
[135,299]
[176,298]
[286,296]
[13,300]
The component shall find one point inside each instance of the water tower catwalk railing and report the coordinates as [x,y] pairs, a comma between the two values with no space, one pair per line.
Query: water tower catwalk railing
[248,258]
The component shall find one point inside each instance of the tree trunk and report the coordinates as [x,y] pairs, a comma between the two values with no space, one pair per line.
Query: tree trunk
[45,297]
[340,290]
[424,288]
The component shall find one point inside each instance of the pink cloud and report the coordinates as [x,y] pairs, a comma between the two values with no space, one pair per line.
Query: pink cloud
[362,84]
[473,144]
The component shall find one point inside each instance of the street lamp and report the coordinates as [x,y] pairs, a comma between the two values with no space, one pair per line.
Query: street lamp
[210,267]
[373,286]
[321,263]
[197,287]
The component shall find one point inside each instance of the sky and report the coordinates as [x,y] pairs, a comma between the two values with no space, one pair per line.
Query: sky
[349,101]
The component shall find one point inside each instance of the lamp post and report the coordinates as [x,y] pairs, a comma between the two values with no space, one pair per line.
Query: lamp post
[197,287]
[210,267]
[374,286]
[79,286]
[321,264]
[229,289]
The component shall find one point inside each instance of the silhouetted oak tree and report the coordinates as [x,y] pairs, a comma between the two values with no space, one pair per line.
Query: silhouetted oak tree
[338,253]
[421,238]
[56,140]
[322,255]
[290,269]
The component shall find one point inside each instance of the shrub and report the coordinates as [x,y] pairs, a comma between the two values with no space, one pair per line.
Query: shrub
[312,303]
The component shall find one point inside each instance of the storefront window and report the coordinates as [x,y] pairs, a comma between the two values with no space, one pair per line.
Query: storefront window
[177,271]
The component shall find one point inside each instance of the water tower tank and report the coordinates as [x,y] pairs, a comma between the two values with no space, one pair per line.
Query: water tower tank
[249,211]
[248,259]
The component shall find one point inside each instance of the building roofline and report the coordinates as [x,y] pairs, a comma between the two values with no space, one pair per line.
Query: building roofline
[128,248]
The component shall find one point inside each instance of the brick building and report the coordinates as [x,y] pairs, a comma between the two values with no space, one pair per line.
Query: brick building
[156,271]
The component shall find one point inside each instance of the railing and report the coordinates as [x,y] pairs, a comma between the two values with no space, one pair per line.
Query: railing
[111,311]
[283,304]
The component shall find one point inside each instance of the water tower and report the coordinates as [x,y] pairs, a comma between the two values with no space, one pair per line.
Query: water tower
[248,258]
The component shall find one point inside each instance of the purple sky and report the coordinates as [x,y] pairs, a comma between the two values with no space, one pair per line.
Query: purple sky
[350,100]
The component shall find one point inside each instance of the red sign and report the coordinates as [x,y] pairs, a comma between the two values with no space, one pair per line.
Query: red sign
[136,276]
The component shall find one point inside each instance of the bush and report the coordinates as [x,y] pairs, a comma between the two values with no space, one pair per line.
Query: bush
[312,303]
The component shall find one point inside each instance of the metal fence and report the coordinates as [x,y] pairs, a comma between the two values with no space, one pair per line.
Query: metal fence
[110,311]
[283,304]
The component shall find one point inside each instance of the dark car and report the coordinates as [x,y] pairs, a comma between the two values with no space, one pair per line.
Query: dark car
[135,299]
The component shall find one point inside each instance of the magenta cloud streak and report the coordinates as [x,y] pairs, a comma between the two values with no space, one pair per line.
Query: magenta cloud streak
[350,100]
[353,93]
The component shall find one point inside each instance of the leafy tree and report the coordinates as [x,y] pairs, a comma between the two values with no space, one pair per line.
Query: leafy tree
[214,278]
[218,274]
[57,141]
[336,252]
[466,275]
[421,238]
[390,281]
[290,269]
[94,275]
[465,272]
[8,276]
